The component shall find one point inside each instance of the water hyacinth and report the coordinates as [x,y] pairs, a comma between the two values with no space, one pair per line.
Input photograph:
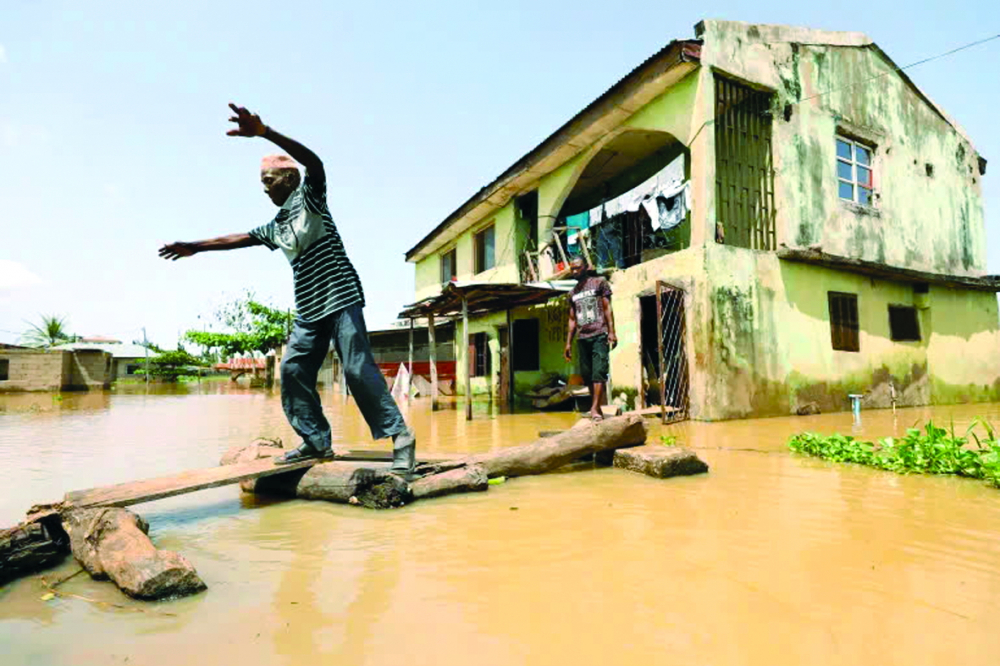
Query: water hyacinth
[932,450]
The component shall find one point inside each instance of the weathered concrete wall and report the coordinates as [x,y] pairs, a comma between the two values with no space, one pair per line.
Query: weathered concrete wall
[89,369]
[34,370]
[768,351]
[928,222]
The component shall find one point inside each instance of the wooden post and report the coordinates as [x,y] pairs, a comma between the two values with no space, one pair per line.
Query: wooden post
[659,348]
[433,359]
[409,366]
[510,361]
[468,361]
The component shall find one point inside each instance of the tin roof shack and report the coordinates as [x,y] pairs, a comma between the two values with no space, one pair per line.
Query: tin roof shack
[785,219]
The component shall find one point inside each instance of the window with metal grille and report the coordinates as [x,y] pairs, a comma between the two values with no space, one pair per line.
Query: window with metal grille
[484,242]
[479,352]
[903,323]
[854,171]
[844,321]
[744,170]
[526,337]
[4,369]
[449,267]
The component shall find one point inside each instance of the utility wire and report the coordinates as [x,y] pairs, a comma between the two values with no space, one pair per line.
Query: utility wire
[869,80]
[900,69]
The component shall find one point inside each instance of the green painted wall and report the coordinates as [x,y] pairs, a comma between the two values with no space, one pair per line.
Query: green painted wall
[428,270]
[768,348]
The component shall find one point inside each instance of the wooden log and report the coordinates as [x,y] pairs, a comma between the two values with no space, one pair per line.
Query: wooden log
[370,484]
[471,478]
[31,547]
[367,484]
[113,543]
[661,462]
[548,453]
[280,484]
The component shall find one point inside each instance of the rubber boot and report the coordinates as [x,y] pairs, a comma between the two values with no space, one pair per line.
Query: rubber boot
[404,454]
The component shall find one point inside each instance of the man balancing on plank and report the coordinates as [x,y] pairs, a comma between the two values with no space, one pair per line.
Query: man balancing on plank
[591,319]
[328,300]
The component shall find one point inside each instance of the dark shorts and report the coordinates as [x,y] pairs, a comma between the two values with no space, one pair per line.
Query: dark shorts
[593,358]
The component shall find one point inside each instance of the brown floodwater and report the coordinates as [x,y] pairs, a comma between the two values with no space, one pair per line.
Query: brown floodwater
[771,558]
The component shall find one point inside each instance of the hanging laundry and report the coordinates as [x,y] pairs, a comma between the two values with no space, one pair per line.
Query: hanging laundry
[668,208]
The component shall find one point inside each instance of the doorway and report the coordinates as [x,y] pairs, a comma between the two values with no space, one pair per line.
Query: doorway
[663,352]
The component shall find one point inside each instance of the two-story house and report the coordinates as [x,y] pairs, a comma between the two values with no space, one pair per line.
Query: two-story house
[785,219]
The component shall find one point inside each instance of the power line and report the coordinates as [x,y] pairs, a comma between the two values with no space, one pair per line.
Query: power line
[866,81]
[900,69]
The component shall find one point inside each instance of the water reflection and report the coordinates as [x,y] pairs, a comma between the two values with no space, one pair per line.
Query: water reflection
[770,558]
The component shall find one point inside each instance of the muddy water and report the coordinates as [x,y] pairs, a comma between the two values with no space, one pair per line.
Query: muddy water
[769,559]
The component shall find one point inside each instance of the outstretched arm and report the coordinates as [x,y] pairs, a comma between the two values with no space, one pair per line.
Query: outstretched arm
[175,251]
[249,125]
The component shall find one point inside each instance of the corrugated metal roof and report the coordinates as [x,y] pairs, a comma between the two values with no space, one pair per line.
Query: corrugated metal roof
[674,53]
[116,350]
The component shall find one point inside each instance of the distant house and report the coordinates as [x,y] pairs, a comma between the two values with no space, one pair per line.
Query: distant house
[127,358]
[26,369]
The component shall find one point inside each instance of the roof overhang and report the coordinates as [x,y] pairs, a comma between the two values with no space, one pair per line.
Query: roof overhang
[878,270]
[482,297]
[631,93]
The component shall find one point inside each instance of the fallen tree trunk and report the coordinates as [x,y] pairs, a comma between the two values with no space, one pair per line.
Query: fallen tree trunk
[471,478]
[30,547]
[372,486]
[113,543]
[548,453]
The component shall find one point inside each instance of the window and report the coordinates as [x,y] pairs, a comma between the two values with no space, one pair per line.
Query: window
[844,321]
[854,171]
[526,344]
[484,242]
[479,355]
[131,368]
[903,323]
[449,267]
[4,369]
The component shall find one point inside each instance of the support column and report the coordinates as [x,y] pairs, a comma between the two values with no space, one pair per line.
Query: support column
[510,361]
[468,361]
[409,366]
[433,359]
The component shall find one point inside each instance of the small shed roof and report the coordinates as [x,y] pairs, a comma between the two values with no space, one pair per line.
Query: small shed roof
[485,297]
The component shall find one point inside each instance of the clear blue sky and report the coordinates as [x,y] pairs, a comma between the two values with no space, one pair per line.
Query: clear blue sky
[112,121]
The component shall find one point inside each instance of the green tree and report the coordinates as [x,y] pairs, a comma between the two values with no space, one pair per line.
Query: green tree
[170,365]
[252,327]
[50,331]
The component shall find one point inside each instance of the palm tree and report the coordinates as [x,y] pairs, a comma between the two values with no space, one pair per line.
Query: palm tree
[50,332]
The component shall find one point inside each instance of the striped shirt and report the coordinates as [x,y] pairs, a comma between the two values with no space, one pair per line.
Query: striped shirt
[325,279]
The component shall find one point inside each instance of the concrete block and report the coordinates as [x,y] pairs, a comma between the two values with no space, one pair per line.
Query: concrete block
[660,461]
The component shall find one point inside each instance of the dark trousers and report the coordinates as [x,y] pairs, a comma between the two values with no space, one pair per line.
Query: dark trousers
[307,348]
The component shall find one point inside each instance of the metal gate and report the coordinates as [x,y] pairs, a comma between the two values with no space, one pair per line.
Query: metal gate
[673,367]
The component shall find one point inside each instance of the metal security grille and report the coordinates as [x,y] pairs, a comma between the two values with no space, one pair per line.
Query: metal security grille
[672,365]
[743,167]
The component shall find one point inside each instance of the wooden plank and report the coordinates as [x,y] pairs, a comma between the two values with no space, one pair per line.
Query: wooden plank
[136,492]
[148,490]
